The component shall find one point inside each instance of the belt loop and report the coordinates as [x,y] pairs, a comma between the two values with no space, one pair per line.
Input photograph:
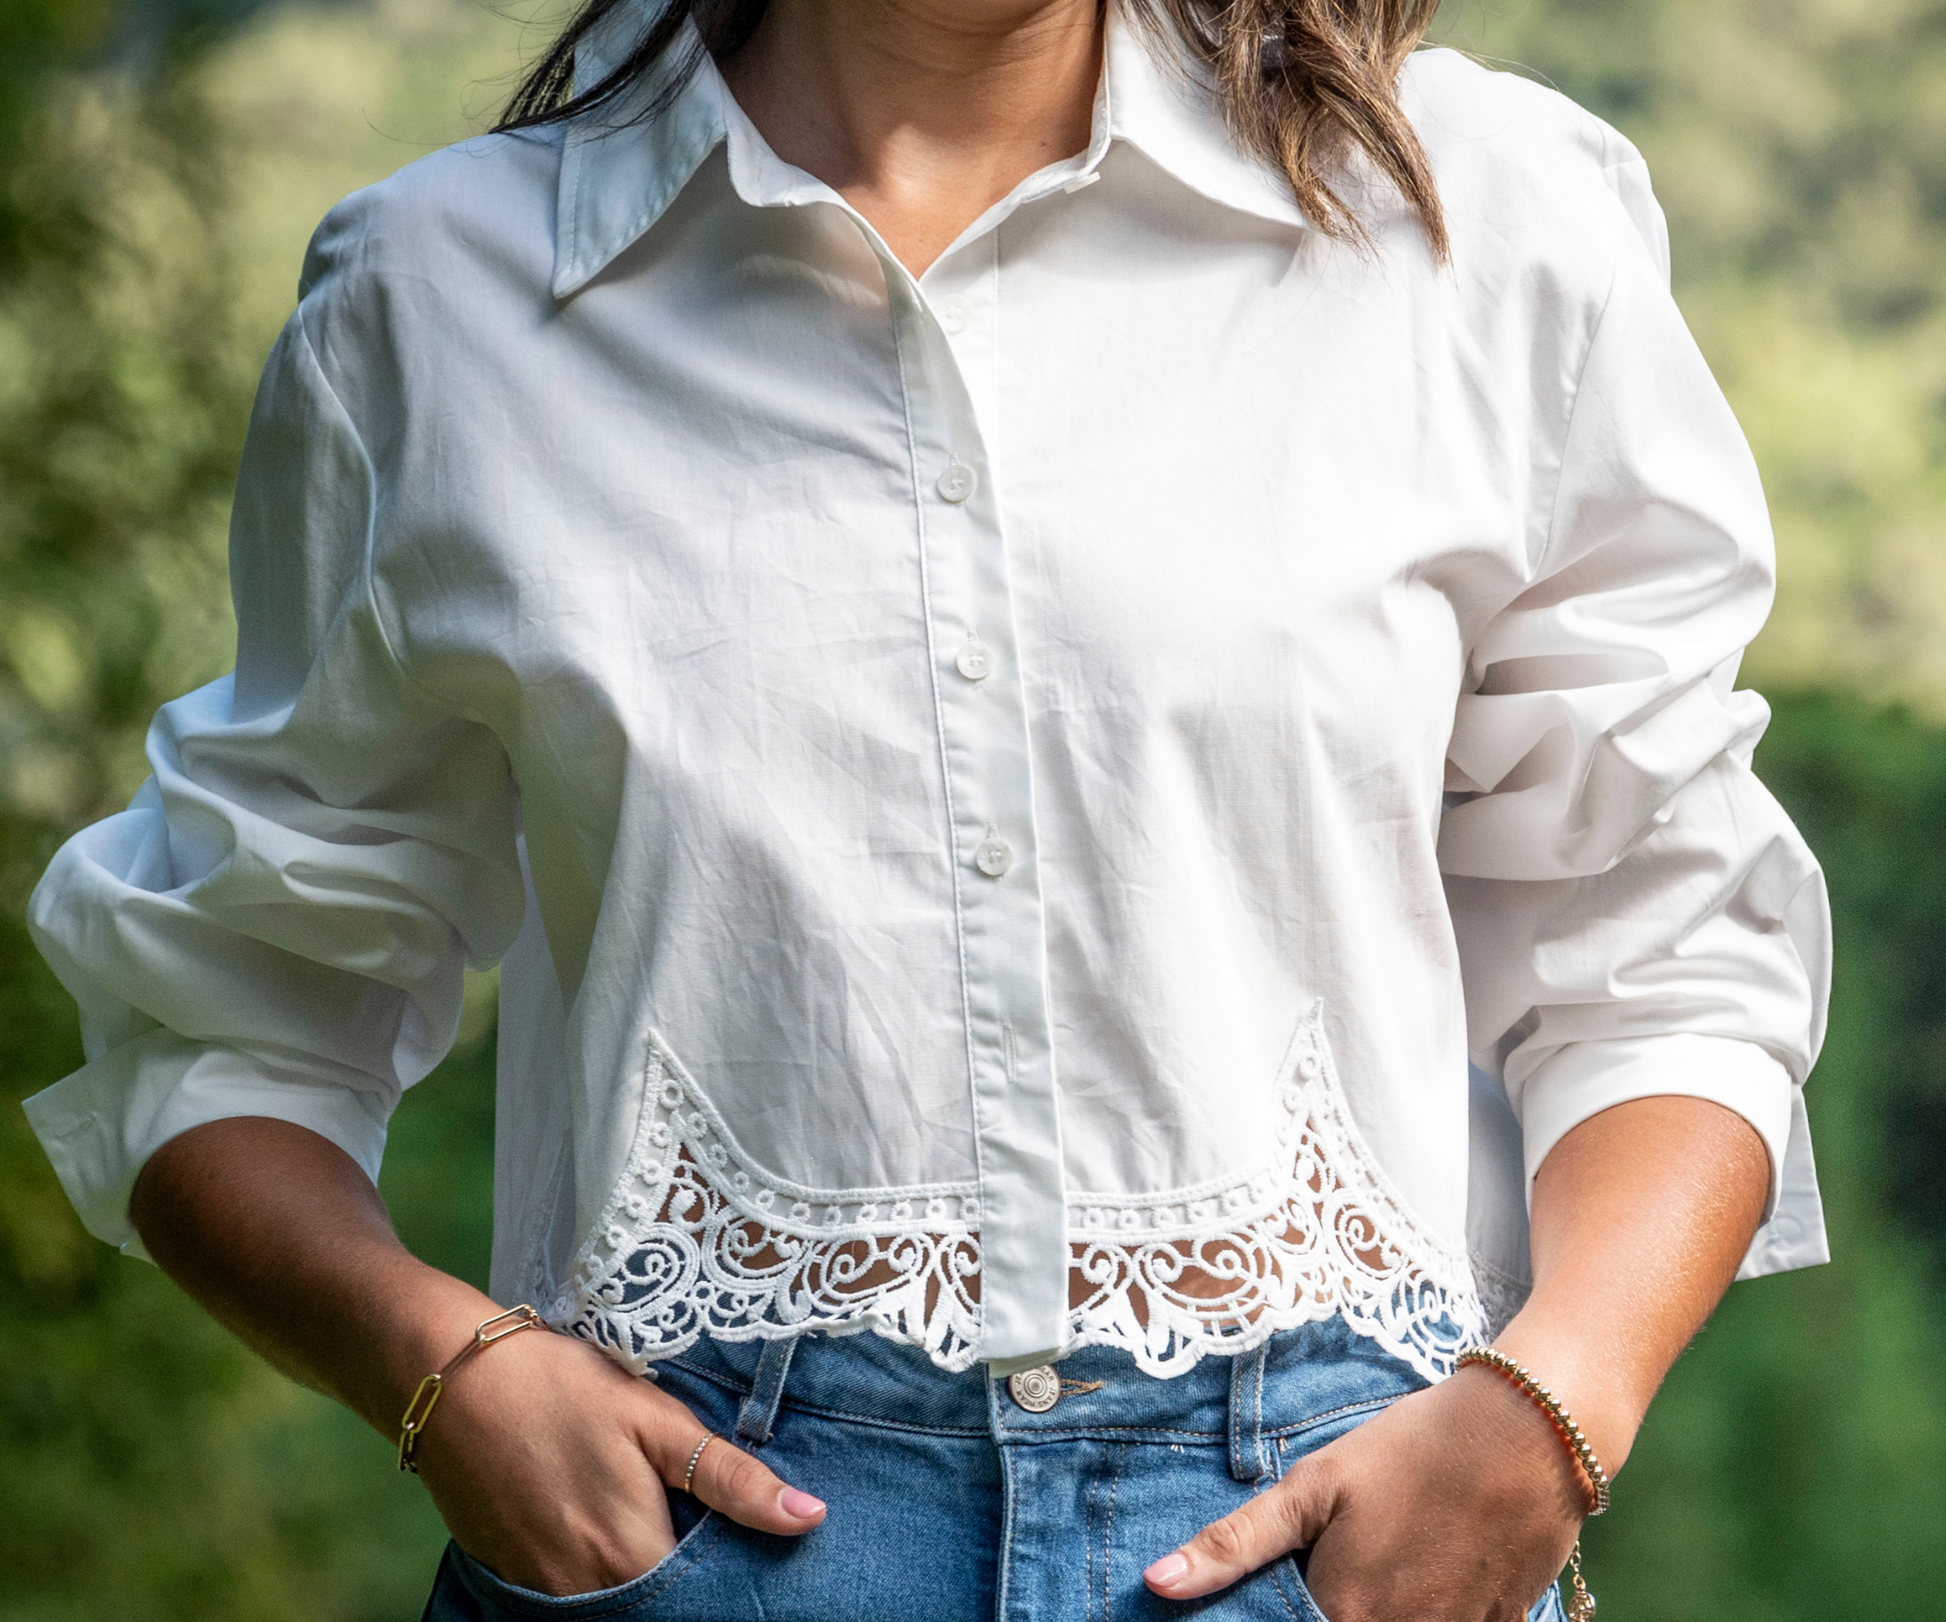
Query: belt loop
[759,1411]
[1247,1459]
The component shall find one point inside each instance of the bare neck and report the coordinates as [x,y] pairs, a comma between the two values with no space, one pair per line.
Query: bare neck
[921,113]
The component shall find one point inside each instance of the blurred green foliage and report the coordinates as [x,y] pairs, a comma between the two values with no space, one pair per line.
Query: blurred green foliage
[1799,147]
[159,166]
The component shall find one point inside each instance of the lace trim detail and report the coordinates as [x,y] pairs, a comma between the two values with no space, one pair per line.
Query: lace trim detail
[1317,1231]
[697,1239]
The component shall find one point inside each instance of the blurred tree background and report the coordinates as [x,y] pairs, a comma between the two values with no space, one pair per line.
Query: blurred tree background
[161,163]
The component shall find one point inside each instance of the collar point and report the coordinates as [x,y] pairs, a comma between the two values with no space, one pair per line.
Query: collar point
[569,279]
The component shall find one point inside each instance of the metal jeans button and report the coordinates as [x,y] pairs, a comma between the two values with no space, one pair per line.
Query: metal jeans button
[1036,1390]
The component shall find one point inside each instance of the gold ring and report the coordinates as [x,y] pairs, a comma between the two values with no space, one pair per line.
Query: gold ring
[689,1475]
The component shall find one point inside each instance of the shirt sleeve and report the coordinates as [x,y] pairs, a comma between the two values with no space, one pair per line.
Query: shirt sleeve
[1635,914]
[278,923]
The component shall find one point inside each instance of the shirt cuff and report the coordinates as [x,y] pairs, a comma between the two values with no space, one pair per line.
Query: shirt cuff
[100,1125]
[1585,1078]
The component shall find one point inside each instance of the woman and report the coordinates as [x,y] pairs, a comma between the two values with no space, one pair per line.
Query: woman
[1025,624]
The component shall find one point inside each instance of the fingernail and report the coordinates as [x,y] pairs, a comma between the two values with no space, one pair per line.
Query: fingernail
[800,1506]
[1170,1569]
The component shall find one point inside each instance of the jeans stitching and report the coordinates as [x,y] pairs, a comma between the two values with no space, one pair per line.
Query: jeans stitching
[1257,1418]
[1369,1405]
[1003,1577]
[1108,1541]
[1215,1438]
[715,1524]
[716,1377]
[758,1413]
[1088,1554]
[637,1591]
[1277,1587]
[980,1433]
[1080,1433]
[743,1392]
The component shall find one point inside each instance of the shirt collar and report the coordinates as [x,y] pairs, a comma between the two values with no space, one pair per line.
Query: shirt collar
[1163,103]
[617,178]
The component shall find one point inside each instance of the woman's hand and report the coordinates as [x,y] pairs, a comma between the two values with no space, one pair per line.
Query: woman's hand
[1456,1504]
[1459,1504]
[547,1460]
[551,1465]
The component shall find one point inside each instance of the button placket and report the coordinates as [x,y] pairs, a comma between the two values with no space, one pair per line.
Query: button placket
[984,752]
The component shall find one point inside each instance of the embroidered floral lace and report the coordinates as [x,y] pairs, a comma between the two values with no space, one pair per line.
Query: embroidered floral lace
[696,1239]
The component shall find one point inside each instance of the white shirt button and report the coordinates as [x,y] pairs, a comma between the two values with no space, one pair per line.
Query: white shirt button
[975,661]
[994,857]
[958,482]
[954,314]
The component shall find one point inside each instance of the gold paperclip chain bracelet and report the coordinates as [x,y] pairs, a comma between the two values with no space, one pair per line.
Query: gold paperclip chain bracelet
[426,1398]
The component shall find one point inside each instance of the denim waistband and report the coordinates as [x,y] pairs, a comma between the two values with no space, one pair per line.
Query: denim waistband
[1300,1378]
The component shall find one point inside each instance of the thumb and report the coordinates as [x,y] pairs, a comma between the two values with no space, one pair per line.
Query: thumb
[728,1479]
[1287,1516]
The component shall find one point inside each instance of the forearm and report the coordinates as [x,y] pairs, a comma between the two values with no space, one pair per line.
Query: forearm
[1640,1217]
[280,1236]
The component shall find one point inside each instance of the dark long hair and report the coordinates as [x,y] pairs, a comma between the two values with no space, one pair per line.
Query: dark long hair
[1305,84]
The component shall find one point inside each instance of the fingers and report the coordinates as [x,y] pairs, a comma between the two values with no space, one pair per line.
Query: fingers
[725,1477]
[1288,1516]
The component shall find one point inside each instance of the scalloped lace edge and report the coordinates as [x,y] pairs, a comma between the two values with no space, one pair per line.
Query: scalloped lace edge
[696,1238]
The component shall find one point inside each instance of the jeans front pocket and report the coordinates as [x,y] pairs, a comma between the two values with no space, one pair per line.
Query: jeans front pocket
[467,1591]
[1291,1588]
[1289,1583]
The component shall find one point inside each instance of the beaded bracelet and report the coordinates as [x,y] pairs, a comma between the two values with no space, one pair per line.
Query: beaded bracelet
[426,1398]
[1544,1399]
[1581,1603]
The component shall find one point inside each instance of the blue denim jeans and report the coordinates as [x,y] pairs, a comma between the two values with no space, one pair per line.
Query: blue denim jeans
[951,1502]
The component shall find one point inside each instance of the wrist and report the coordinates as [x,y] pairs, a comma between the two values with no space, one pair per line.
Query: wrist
[421,1318]
[1589,1381]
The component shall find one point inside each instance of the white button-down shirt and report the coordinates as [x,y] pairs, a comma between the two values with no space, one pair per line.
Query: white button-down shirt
[1008,798]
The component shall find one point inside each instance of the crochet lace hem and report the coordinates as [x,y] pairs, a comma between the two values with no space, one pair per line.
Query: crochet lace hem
[698,1239]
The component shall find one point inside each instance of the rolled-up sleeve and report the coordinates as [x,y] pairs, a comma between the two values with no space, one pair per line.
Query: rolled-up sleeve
[278,924]
[1635,914]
